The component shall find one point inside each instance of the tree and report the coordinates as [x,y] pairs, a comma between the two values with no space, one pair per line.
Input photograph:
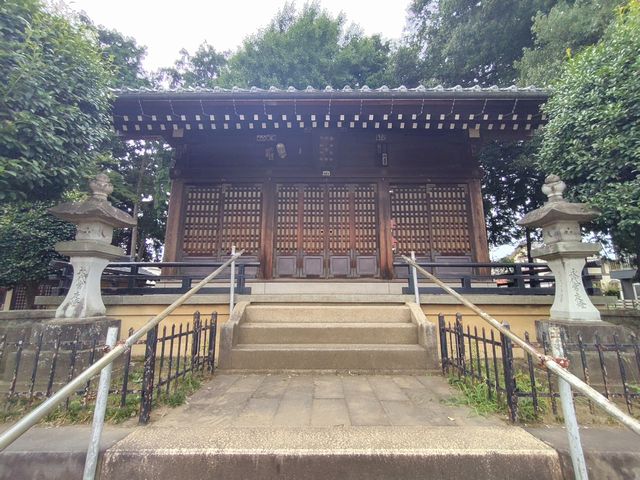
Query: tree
[54,101]
[568,27]
[307,48]
[124,56]
[511,187]
[201,69]
[27,236]
[593,136]
[468,42]
[139,172]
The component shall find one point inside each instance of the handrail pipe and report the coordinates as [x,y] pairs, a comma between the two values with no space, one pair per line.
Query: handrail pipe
[33,417]
[545,360]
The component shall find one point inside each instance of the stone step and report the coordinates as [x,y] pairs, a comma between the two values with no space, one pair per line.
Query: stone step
[372,453]
[320,313]
[314,333]
[340,357]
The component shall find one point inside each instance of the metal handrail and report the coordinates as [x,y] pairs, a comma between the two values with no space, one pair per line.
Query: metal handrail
[547,361]
[566,379]
[33,417]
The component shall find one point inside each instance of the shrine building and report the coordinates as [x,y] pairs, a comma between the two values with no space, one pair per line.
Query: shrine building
[324,184]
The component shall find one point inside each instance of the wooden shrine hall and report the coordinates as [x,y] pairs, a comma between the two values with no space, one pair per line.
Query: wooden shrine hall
[327,183]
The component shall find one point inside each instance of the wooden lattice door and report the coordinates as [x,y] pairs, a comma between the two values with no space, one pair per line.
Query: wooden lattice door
[326,231]
[219,216]
[431,220]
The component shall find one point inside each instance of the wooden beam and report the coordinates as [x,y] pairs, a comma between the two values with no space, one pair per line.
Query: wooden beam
[173,237]
[268,226]
[384,209]
[478,225]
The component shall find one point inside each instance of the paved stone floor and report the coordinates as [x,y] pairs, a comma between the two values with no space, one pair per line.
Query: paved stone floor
[290,400]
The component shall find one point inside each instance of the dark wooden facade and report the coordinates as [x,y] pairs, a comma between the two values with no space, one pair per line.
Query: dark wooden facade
[327,184]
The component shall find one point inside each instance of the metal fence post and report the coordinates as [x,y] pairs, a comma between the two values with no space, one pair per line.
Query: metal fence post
[444,354]
[93,451]
[414,275]
[211,354]
[568,410]
[509,375]
[232,281]
[195,340]
[146,397]
[460,353]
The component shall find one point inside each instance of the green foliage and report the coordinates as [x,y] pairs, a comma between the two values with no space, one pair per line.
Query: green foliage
[27,236]
[54,101]
[186,386]
[123,55]
[511,187]
[565,30]
[477,396]
[593,136]
[469,42]
[139,172]
[201,69]
[308,48]
[80,411]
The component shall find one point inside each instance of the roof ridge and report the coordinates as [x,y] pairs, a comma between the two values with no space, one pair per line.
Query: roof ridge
[330,89]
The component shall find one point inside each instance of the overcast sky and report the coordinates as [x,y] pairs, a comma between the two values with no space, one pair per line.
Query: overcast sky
[165,27]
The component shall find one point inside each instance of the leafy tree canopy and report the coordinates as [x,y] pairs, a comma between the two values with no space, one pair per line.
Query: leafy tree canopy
[566,29]
[309,47]
[54,100]
[593,136]
[468,42]
[27,236]
[201,69]
[511,187]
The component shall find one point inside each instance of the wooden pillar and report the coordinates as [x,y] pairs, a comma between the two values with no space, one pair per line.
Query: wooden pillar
[173,237]
[384,216]
[268,222]
[478,232]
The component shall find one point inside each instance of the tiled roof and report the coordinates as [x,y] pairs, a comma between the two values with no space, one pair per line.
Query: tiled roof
[172,113]
[365,90]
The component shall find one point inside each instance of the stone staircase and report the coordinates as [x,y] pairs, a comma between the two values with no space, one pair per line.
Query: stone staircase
[331,337]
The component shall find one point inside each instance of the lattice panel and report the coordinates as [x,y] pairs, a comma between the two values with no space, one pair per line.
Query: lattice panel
[286,237]
[339,235]
[410,211]
[241,220]
[201,221]
[365,219]
[450,219]
[313,228]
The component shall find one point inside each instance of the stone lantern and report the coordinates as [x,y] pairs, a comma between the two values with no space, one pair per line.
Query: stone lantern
[564,251]
[91,251]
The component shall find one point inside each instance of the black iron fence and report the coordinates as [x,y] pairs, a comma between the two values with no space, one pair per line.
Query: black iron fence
[34,365]
[512,377]
[494,277]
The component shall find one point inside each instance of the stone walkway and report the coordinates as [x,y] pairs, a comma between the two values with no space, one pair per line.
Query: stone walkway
[288,400]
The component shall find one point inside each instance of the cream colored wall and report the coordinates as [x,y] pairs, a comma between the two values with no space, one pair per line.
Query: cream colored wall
[520,317]
[136,315]
[520,314]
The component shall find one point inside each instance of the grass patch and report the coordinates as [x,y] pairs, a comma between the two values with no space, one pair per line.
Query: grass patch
[473,395]
[484,401]
[80,412]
